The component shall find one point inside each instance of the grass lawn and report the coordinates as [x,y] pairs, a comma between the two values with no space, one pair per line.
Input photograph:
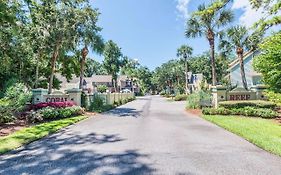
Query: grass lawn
[264,133]
[33,133]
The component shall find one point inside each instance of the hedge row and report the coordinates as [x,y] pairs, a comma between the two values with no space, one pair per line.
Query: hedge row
[251,103]
[245,111]
[51,113]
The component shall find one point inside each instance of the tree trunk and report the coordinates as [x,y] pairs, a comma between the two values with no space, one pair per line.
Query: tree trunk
[186,77]
[37,70]
[53,66]
[211,39]
[84,54]
[132,84]
[240,52]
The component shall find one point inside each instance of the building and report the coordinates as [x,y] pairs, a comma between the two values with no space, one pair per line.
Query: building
[253,78]
[194,81]
[91,83]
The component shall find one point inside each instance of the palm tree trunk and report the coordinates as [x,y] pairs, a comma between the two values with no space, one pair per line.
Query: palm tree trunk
[242,69]
[213,64]
[53,66]
[84,54]
[211,39]
[186,77]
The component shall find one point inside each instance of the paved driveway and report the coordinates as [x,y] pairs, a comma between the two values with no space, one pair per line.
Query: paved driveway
[147,136]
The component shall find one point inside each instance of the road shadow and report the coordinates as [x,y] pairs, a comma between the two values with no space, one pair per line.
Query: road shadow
[124,112]
[59,155]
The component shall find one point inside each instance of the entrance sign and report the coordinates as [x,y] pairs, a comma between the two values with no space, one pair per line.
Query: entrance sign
[220,93]
[41,95]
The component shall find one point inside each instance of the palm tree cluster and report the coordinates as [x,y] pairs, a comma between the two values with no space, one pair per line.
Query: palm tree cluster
[212,21]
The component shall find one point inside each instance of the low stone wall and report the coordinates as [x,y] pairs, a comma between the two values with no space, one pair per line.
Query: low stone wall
[220,93]
[110,98]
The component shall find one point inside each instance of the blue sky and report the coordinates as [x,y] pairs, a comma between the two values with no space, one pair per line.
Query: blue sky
[152,30]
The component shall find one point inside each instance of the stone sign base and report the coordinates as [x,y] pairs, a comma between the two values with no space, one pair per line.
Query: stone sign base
[220,93]
[41,95]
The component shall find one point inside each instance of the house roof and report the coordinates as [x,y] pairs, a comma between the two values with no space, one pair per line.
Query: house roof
[236,61]
[99,78]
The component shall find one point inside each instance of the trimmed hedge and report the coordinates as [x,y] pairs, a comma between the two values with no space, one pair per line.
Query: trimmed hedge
[51,113]
[251,103]
[246,111]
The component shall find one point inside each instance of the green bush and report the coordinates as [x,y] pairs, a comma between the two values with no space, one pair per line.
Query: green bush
[198,100]
[245,111]
[102,88]
[15,100]
[251,103]
[50,113]
[96,104]
[181,97]
[274,97]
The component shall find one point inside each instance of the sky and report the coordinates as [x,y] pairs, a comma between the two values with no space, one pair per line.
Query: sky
[152,30]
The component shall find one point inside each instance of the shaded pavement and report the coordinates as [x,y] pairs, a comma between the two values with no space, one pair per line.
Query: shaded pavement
[146,136]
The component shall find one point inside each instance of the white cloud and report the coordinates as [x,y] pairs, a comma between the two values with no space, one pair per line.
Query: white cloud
[250,15]
[182,8]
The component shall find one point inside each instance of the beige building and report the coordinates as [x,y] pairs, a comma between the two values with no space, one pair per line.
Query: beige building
[91,83]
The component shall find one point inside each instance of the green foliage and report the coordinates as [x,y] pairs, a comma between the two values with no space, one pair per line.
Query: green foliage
[18,95]
[102,88]
[271,9]
[262,132]
[97,104]
[198,100]
[248,103]
[181,97]
[50,113]
[112,62]
[15,100]
[274,97]
[269,61]
[33,133]
[243,111]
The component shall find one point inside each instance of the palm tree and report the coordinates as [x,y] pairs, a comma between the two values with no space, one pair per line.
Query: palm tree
[240,39]
[88,36]
[206,22]
[185,52]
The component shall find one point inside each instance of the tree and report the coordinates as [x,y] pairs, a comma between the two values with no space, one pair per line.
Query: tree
[130,68]
[268,62]
[240,39]
[185,52]
[207,21]
[61,21]
[144,79]
[272,9]
[93,67]
[112,62]
[88,36]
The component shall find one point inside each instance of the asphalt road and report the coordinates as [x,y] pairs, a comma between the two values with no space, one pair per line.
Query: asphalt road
[147,136]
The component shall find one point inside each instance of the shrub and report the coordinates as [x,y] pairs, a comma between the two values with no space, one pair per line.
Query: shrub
[50,113]
[246,111]
[251,103]
[15,100]
[102,88]
[198,100]
[18,95]
[181,97]
[53,104]
[274,97]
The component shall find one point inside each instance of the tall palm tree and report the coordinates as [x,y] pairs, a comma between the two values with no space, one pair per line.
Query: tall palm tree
[207,21]
[185,52]
[88,37]
[240,39]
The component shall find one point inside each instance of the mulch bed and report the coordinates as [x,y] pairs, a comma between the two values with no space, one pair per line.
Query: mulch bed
[9,128]
[197,112]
